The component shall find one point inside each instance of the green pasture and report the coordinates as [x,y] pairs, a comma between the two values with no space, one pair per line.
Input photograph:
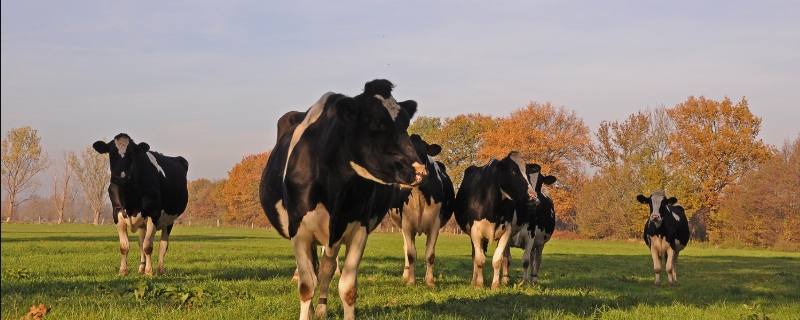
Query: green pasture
[228,273]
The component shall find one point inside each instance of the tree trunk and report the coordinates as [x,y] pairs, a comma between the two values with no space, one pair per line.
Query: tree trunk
[96,217]
[60,216]
[10,206]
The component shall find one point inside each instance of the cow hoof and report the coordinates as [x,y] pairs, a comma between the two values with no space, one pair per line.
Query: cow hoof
[430,282]
[495,285]
[410,282]
[161,271]
[148,272]
[123,272]
[672,284]
[322,311]
[505,280]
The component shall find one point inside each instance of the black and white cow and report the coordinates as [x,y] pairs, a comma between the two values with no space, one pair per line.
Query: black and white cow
[424,209]
[148,191]
[666,232]
[537,230]
[332,177]
[485,208]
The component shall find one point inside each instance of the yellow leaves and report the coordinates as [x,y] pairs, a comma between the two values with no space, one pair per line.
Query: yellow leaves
[36,312]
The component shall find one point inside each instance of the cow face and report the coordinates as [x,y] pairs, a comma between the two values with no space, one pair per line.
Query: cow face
[425,151]
[121,152]
[378,143]
[537,179]
[658,205]
[513,178]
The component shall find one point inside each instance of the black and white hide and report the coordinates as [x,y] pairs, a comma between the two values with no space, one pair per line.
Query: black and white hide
[666,232]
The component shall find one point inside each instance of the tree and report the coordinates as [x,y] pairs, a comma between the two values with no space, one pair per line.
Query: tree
[63,191]
[241,190]
[714,142]
[550,136]
[763,208]
[202,204]
[22,159]
[93,173]
[425,127]
[460,139]
[629,156]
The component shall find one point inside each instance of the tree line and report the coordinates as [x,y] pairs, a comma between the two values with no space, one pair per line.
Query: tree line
[735,188]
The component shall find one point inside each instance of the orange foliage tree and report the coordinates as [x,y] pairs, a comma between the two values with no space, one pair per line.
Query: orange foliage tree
[241,191]
[459,137]
[762,209]
[202,205]
[714,142]
[629,156]
[553,137]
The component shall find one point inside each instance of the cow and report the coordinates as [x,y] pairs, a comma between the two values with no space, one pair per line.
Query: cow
[539,224]
[332,177]
[148,191]
[486,206]
[424,209]
[666,232]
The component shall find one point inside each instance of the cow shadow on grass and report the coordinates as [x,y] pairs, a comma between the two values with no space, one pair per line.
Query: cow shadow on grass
[584,285]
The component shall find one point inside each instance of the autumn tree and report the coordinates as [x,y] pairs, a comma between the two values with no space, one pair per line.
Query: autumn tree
[714,142]
[629,156]
[241,190]
[63,190]
[762,209]
[22,159]
[202,204]
[460,139]
[550,136]
[426,127]
[93,173]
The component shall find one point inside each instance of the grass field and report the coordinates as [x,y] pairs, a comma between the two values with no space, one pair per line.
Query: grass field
[226,273]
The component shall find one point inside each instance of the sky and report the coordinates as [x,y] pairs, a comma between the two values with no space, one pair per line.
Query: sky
[208,80]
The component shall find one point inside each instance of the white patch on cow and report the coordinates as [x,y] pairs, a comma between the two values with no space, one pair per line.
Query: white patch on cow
[540,236]
[435,166]
[311,116]
[678,245]
[520,163]
[155,163]
[362,172]
[283,217]
[134,223]
[677,218]
[390,104]
[505,195]
[484,228]
[165,220]
[122,145]
[315,222]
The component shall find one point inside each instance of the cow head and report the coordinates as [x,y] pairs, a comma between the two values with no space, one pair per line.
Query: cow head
[513,178]
[121,153]
[537,179]
[658,203]
[377,141]
[425,151]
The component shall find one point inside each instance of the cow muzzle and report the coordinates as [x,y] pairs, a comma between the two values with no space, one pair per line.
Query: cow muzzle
[655,218]
[420,175]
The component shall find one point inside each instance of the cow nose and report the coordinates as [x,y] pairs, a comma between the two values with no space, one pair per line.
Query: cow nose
[420,173]
[532,196]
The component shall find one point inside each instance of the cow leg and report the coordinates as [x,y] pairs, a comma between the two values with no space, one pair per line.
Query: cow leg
[142,256]
[410,247]
[430,254]
[328,266]
[537,261]
[348,283]
[150,234]
[526,263]
[656,263]
[124,246]
[163,245]
[478,259]
[295,276]
[497,259]
[506,264]
[307,280]
[670,267]
[675,268]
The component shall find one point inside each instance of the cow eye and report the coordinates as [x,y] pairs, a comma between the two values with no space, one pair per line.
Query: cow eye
[378,125]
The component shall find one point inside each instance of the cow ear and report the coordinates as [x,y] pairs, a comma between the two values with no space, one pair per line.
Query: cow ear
[672,201]
[347,110]
[142,147]
[410,106]
[101,147]
[434,150]
[548,180]
[532,168]
[641,198]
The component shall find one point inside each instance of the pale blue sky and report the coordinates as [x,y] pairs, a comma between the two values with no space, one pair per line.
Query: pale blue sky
[209,79]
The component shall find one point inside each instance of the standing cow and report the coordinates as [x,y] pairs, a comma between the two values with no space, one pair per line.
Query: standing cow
[538,227]
[486,207]
[332,177]
[424,209]
[666,233]
[148,191]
